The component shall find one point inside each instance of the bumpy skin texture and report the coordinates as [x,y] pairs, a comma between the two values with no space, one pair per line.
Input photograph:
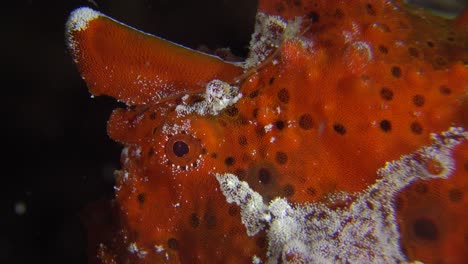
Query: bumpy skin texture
[361,83]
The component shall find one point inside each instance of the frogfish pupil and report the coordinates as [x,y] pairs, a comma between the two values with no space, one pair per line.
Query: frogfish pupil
[180,148]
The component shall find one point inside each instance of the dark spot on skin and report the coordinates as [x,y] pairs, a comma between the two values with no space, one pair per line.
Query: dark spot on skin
[279,8]
[233,210]
[383,49]
[255,113]
[283,95]
[416,128]
[306,122]
[430,44]
[455,195]
[173,243]
[370,10]
[222,123]
[141,198]
[440,62]
[264,175]
[311,191]
[444,90]
[152,116]
[210,221]
[297,2]
[214,155]
[229,161]
[281,157]
[418,100]
[288,190]
[385,125]
[451,39]
[260,131]
[370,205]
[261,242]
[180,148]
[242,140]
[465,166]
[195,99]
[339,13]
[279,124]
[396,71]
[339,128]
[314,17]
[425,229]
[194,220]
[386,94]
[151,152]
[242,120]
[420,187]
[178,101]
[271,81]
[413,52]
[232,111]
[253,94]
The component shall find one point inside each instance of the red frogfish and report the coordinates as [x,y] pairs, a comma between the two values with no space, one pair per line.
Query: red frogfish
[341,138]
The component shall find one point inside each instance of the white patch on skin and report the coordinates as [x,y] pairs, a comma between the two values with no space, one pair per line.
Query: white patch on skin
[137,152]
[125,155]
[256,260]
[159,248]
[173,129]
[133,248]
[364,49]
[80,18]
[364,232]
[268,128]
[78,21]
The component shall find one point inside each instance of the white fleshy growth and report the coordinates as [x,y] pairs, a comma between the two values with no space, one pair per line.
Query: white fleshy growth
[218,96]
[270,32]
[253,210]
[363,232]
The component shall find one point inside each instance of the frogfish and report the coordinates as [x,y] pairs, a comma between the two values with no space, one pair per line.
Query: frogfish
[341,138]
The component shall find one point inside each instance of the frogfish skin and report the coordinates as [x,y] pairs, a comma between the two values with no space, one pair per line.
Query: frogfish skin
[340,139]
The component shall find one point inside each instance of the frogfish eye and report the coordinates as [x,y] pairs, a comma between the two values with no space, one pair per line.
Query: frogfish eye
[182,149]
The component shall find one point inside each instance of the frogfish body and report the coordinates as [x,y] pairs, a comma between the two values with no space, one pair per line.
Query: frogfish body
[341,138]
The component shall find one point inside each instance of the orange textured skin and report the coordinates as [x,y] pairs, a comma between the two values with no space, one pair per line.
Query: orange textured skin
[365,83]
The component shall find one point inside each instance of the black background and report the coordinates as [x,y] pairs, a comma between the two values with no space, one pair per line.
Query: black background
[58,156]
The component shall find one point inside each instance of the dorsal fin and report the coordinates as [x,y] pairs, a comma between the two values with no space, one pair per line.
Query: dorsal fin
[136,68]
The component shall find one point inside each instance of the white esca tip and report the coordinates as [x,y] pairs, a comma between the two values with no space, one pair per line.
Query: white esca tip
[80,18]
